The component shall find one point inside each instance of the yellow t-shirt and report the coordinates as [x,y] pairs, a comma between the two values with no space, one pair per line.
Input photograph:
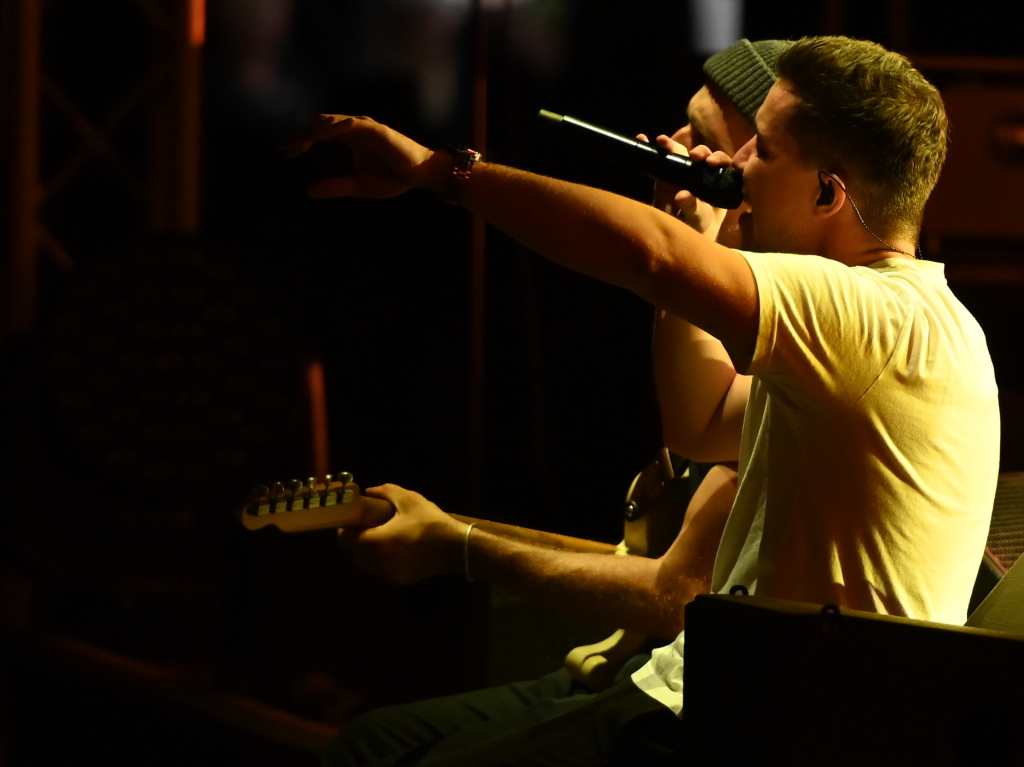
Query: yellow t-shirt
[870,447]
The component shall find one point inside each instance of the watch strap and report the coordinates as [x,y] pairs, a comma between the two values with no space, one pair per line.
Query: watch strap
[462,169]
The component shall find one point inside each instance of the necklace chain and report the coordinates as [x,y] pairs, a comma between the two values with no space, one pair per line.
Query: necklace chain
[863,222]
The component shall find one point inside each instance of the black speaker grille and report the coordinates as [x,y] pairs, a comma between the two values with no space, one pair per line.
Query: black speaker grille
[1006,534]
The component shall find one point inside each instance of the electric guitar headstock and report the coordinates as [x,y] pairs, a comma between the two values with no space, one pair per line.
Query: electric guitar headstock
[317,504]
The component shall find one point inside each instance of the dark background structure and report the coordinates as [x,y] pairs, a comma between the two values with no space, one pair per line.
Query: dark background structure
[171,338]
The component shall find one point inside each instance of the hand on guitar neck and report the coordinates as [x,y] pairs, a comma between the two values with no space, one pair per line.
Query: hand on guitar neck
[406,545]
[401,535]
[297,507]
[417,542]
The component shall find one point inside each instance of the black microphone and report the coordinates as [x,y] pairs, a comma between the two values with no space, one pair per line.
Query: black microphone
[721,187]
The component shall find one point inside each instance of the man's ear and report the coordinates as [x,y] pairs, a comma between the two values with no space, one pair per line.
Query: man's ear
[829,202]
[828,192]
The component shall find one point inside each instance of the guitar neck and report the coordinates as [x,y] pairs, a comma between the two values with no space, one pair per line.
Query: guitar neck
[340,504]
[297,508]
[540,537]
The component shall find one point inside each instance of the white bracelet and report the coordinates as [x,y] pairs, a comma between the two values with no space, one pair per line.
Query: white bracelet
[465,550]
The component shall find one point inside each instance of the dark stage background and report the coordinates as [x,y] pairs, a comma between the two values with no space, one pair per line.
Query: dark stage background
[166,372]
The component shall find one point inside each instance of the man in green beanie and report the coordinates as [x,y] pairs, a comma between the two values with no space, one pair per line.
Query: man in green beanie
[637,593]
[701,403]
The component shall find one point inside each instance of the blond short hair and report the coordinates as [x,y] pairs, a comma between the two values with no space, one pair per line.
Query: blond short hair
[866,114]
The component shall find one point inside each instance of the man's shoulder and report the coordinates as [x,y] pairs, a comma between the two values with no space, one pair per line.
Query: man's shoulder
[932,272]
[794,270]
[885,272]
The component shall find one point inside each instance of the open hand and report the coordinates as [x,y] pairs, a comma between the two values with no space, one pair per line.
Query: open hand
[386,163]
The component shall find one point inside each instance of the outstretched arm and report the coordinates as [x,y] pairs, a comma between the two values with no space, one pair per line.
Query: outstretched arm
[646,595]
[612,238]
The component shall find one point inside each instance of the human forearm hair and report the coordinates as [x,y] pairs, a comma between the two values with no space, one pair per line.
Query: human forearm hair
[626,243]
[616,591]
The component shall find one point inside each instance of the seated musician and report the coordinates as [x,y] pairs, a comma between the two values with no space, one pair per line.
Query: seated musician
[869,442]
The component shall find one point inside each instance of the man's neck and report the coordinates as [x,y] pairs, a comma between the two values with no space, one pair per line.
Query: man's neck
[856,247]
[877,254]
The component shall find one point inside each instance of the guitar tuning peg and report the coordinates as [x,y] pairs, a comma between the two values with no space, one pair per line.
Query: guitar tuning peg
[295,502]
[344,477]
[259,495]
[275,491]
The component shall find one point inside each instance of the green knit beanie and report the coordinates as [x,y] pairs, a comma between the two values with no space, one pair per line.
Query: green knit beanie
[745,72]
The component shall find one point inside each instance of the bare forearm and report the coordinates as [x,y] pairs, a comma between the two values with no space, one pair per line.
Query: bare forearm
[613,238]
[646,595]
[617,591]
[620,241]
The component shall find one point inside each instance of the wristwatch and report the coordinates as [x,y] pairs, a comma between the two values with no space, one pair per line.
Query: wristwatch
[465,158]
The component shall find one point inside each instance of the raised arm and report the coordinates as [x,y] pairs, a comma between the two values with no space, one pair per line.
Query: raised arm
[612,238]
[637,593]
[701,397]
